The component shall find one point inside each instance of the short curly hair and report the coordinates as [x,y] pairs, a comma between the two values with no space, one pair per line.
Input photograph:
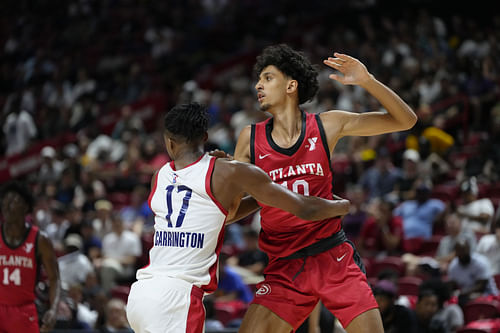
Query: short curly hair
[188,121]
[293,64]
[19,188]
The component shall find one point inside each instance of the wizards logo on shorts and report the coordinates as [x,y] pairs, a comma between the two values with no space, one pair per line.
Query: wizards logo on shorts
[265,289]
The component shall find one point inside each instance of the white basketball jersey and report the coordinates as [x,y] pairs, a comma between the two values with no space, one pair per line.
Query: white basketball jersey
[189,225]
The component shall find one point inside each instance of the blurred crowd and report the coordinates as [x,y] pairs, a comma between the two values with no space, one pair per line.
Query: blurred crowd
[427,199]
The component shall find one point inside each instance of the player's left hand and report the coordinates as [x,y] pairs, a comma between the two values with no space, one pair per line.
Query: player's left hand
[220,154]
[48,321]
[353,70]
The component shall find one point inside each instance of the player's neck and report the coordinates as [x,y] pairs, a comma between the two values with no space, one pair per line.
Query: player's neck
[14,230]
[187,157]
[287,121]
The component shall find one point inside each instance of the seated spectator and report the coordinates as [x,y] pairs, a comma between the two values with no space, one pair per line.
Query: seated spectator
[381,178]
[231,286]
[83,312]
[102,221]
[476,213]
[116,318]
[249,263]
[120,251]
[470,273]
[419,215]
[451,315]
[51,168]
[395,318]
[73,265]
[92,245]
[404,188]
[489,247]
[356,218]
[426,308]
[382,233]
[446,249]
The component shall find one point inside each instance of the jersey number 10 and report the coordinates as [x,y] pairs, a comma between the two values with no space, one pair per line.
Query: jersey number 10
[185,204]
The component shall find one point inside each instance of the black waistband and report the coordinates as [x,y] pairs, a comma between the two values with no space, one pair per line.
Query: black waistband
[320,246]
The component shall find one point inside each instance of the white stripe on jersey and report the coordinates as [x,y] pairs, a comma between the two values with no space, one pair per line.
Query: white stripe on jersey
[188,225]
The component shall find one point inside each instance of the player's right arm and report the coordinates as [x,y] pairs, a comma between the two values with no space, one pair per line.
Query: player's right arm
[252,180]
[242,150]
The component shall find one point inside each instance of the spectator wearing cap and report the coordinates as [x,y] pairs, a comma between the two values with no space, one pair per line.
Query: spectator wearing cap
[404,188]
[51,168]
[395,318]
[470,273]
[420,214]
[73,265]
[102,220]
[381,178]
[489,246]
[476,213]
[120,251]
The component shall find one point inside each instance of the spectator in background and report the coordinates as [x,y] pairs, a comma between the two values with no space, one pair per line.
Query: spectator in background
[51,168]
[426,308]
[120,251]
[451,315]
[382,233]
[102,221]
[211,321]
[137,213]
[381,178]
[476,213]
[454,230]
[128,123]
[395,318]
[56,230]
[489,246]
[73,265]
[420,214]
[353,222]
[404,188]
[84,314]
[92,245]
[470,273]
[231,286]
[19,128]
[116,318]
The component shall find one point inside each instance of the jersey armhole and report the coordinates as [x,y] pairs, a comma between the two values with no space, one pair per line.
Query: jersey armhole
[252,144]
[322,133]
[208,186]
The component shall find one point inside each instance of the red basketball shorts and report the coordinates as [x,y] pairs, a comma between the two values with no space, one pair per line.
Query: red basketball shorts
[21,318]
[331,276]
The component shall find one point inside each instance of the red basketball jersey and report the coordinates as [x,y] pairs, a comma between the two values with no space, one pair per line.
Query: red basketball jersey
[18,270]
[303,168]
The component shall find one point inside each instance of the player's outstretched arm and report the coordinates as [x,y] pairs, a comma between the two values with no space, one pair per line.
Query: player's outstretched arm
[49,262]
[399,115]
[254,181]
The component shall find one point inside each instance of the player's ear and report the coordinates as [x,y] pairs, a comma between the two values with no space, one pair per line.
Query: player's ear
[292,86]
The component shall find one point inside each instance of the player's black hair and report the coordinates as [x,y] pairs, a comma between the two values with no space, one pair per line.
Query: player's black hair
[188,121]
[293,64]
[19,188]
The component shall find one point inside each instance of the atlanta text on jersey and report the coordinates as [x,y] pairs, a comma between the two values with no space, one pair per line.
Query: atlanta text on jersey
[14,260]
[179,239]
[301,169]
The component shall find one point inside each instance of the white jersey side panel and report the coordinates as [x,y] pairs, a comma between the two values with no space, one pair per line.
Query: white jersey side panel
[189,225]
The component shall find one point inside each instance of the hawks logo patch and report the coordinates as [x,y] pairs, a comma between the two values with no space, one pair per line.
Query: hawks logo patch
[263,290]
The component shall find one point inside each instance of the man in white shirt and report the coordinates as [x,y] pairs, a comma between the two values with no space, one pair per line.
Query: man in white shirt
[470,273]
[73,266]
[120,250]
[489,246]
[476,213]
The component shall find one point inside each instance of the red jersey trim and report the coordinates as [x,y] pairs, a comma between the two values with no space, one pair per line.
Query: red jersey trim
[153,190]
[208,187]
[212,285]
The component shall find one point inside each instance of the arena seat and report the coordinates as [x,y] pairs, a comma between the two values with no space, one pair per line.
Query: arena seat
[390,263]
[408,285]
[480,310]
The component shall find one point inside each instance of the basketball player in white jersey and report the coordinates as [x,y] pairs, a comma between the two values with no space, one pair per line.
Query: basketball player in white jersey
[193,197]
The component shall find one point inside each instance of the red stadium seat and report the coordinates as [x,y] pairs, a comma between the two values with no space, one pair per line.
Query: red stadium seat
[476,310]
[497,280]
[395,264]
[412,245]
[471,330]
[429,246]
[120,292]
[408,285]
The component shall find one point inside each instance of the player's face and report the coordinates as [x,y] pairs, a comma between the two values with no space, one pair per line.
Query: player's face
[271,87]
[13,205]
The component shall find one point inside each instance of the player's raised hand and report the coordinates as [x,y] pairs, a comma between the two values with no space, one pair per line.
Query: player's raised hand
[353,70]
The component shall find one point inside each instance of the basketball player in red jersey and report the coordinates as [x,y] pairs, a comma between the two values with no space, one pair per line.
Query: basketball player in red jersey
[309,262]
[22,249]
